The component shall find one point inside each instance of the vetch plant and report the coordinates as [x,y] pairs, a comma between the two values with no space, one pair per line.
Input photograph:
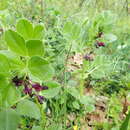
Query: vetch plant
[50,76]
[25,66]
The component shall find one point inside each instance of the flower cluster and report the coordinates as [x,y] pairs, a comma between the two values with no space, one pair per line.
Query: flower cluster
[17,81]
[99,44]
[38,87]
[31,89]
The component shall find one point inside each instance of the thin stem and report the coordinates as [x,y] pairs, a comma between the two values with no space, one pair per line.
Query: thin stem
[64,89]
[82,80]
[42,8]
[20,100]
[127,7]
[43,121]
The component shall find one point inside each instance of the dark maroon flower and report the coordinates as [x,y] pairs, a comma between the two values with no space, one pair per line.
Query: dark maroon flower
[44,87]
[17,81]
[100,44]
[40,98]
[27,90]
[38,87]
[88,57]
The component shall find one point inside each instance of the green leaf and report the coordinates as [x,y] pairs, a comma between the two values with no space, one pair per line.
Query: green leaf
[86,100]
[3,82]
[28,108]
[55,126]
[4,65]
[68,27]
[102,65]
[13,59]
[52,84]
[89,102]
[72,83]
[37,128]
[38,32]
[9,94]
[13,95]
[74,92]
[15,42]
[115,128]
[76,105]
[3,4]
[90,108]
[40,68]
[72,30]
[3,90]
[126,123]
[75,31]
[50,93]
[25,28]
[9,120]
[110,37]
[35,48]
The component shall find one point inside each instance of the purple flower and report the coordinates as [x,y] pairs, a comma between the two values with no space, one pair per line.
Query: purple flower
[17,81]
[100,44]
[88,57]
[40,98]
[38,87]
[27,90]
[44,87]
